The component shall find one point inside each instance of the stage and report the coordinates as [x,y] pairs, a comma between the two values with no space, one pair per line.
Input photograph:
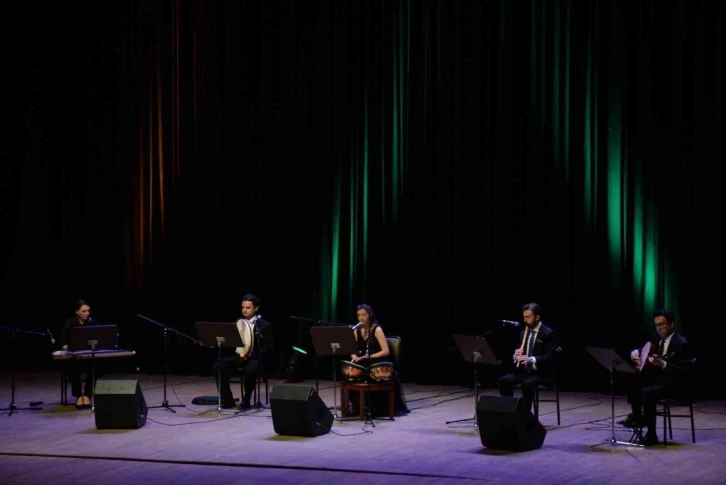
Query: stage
[60,444]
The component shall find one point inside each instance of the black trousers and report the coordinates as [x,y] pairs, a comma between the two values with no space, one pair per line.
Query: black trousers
[225,368]
[74,370]
[644,392]
[529,381]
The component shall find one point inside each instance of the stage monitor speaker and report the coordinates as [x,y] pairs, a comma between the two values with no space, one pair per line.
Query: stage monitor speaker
[297,410]
[119,404]
[504,424]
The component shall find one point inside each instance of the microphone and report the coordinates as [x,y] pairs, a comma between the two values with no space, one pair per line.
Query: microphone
[52,340]
[509,322]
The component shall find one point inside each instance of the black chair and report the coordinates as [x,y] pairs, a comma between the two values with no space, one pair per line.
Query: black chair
[550,386]
[667,414]
[394,347]
[683,398]
[261,379]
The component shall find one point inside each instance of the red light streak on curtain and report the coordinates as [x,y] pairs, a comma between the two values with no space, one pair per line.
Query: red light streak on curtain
[157,157]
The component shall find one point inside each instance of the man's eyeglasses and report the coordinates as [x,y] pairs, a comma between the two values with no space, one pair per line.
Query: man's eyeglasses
[661,324]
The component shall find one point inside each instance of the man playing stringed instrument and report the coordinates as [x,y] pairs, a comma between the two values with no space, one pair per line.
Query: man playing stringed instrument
[662,364]
[256,335]
[534,359]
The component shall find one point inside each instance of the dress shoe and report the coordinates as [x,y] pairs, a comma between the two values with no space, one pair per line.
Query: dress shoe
[244,405]
[632,422]
[649,439]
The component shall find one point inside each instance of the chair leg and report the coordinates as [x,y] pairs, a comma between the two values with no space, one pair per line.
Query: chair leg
[666,412]
[536,404]
[557,397]
[693,427]
[670,424]
[64,389]
[267,393]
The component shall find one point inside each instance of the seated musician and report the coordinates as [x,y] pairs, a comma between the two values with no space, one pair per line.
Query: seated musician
[82,317]
[663,375]
[373,348]
[251,363]
[534,359]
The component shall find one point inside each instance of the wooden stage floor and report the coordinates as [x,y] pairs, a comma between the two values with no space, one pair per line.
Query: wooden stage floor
[61,444]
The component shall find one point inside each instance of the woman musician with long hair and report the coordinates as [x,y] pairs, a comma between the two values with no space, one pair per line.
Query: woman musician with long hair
[373,349]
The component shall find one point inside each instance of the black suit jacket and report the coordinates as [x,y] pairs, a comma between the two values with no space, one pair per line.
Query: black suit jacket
[544,350]
[264,341]
[679,360]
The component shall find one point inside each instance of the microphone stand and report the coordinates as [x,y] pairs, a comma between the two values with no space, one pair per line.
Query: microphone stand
[12,407]
[165,403]
[369,406]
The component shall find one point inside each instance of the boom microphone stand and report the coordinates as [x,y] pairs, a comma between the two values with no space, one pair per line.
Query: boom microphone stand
[369,405]
[165,403]
[12,407]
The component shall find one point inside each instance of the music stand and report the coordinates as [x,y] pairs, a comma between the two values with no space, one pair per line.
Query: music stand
[94,337]
[477,351]
[12,408]
[333,341]
[610,360]
[219,334]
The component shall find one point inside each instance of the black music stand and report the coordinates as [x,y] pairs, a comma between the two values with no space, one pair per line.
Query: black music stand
[477,351]
[610,360]
[12,408]
[219,334]
[333,341]
[94,337]
[165,403]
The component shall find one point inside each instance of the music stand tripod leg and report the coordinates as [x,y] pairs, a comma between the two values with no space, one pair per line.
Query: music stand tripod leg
[219,378]
[476,400]
[613,441]
[335,397]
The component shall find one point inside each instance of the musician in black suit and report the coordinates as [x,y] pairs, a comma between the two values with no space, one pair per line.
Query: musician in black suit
[251,363]
[81,318]
[664,374]
[535,357]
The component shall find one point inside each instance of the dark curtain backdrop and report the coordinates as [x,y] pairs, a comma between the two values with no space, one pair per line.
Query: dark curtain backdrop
[444,161]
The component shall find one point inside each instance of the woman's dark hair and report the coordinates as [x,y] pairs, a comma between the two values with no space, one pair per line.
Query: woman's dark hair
[369,309]
[80,303]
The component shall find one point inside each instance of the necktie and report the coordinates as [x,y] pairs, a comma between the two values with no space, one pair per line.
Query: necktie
[530,344]
[661,347]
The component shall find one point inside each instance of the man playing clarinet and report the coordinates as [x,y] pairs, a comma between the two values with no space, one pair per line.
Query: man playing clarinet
[534,359]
